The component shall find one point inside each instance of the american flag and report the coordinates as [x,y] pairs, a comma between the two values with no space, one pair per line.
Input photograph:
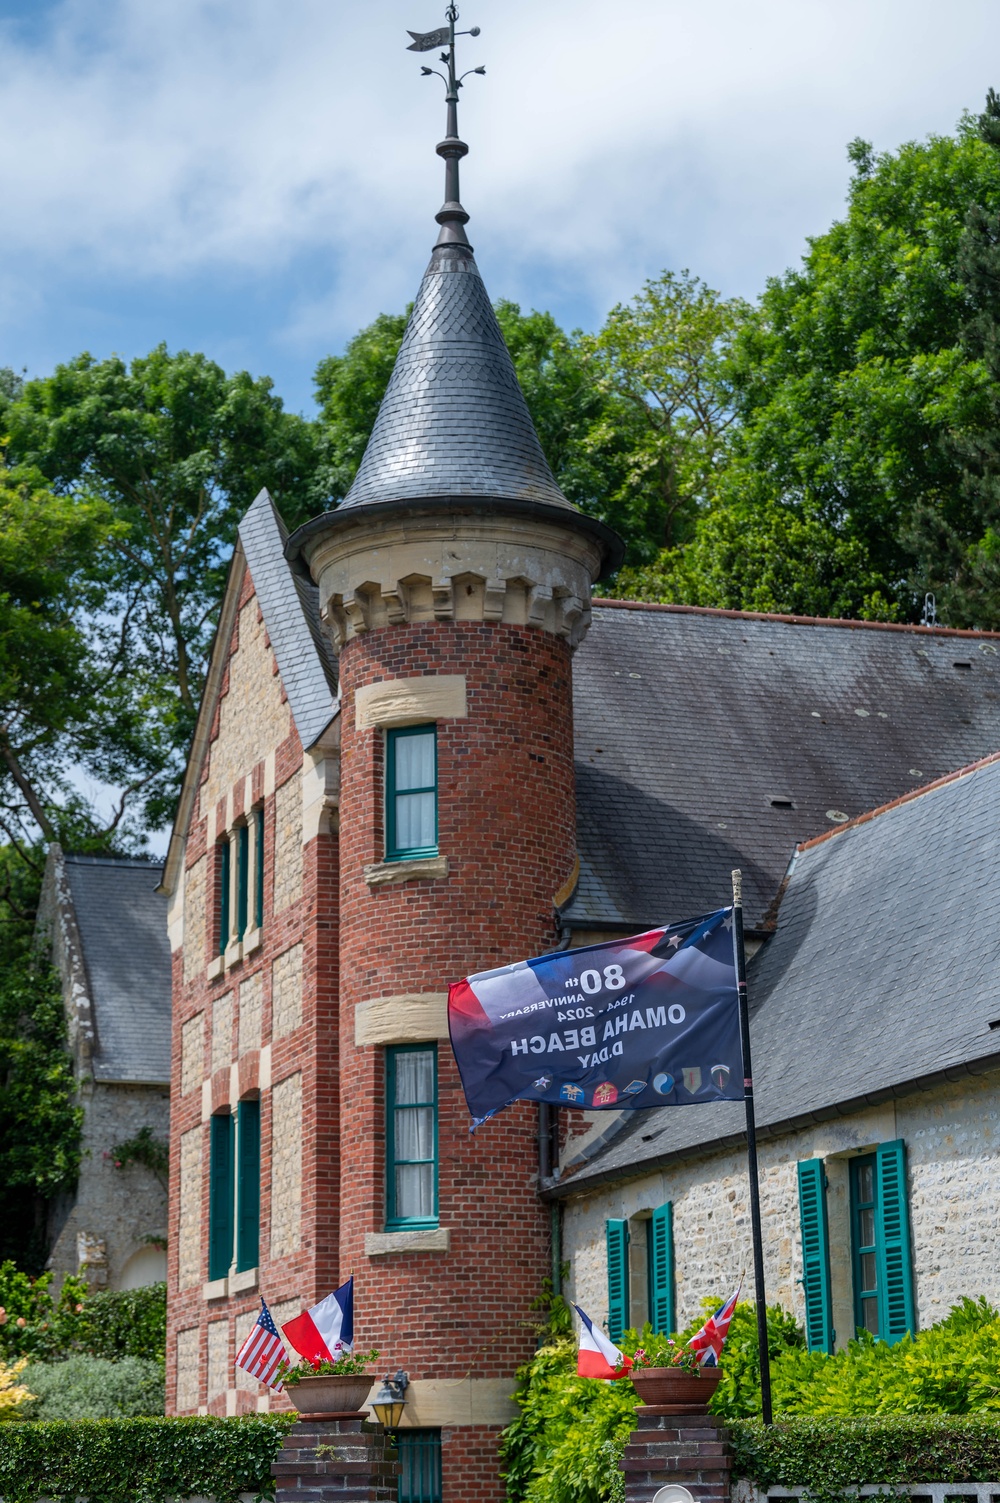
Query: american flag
[263,1351]
[709,1341]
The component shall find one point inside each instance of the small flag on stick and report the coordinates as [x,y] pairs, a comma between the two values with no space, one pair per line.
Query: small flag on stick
[325,1331]
[709,1341]
[263,1351]
[426,41]
[598,1356]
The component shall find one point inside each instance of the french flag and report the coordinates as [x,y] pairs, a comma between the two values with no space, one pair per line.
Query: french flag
[325,1332]
[598,1356]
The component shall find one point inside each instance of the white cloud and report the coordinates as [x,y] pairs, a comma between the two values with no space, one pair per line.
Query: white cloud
[174,139]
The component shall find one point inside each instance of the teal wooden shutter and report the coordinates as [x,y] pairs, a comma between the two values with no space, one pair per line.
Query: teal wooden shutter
[258,900]
[660,1253]
[242,876]
[617,1234]
[220,1197]
[223,895]
[815,1256]
[892,1242]
[248,1185]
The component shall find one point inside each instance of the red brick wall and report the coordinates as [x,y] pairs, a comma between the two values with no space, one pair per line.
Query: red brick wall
[506,825]
[313,1270]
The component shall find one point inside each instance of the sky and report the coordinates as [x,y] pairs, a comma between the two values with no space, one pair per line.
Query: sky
[257,178]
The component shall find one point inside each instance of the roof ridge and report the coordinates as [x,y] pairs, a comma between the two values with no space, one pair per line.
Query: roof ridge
[904,798]
[153,861]
[847,622]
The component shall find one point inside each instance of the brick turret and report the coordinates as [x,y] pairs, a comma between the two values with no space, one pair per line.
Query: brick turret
[454,581]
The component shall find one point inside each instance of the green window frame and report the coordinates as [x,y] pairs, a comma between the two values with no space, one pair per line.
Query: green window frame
[617,1238]
[660,1270]
[419,1466]
[411,792]
[411,1136]
[220,1195]
[223,868]
[242,878]
[247,1184]
[816,1286]
[881,1255]
[258,896]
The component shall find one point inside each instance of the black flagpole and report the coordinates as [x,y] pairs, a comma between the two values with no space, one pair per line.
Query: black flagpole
[758,1241]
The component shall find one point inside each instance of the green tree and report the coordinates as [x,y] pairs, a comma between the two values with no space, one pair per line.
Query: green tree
[851,384]
[662,361]
[175,450]
[958,548]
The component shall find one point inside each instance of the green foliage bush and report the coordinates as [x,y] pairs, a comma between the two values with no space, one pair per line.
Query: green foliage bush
[109,1323]
[126,1323]
[828,1455]
[566,1442]
[140,1460]
[83,1387]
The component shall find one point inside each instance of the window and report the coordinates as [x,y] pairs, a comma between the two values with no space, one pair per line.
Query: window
[880,1243]
[247,1185]
[616,1233]
[220,1196]
[223,870]
[660,1269]
[411,792]
[234,1190]
[419,1466]
[864,1256]
[242,877]
[258,872]
[411,1136]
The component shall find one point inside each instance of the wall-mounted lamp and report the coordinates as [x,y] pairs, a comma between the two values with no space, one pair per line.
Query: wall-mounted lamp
[388,1402]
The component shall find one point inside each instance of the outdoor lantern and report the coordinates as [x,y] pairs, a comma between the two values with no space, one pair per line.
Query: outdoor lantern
[388,1402]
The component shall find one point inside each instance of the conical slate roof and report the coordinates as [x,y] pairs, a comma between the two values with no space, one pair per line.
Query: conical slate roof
[453,421]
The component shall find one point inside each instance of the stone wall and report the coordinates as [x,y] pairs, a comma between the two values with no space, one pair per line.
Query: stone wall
[286,992]
[114,1209]
[286,1166]
[288,843]
[189,1210]
[953,1152]
[195,918]
[254,717]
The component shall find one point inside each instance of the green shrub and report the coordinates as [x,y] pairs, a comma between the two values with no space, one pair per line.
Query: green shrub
[828,1455]
[109,1323]
[567,1439]
[126,1323]
[83,1387]
[140,1460]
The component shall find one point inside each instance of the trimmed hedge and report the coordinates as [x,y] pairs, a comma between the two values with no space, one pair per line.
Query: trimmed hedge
[140,1460]
[825,1456]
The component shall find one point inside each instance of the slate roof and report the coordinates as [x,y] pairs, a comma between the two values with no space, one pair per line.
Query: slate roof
[290,604]
[689,723]
[123,933]
[884,971]
[453,421]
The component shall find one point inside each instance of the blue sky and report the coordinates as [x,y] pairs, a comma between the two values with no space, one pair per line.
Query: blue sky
[257,179]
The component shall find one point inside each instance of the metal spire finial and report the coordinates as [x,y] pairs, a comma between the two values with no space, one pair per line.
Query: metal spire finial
[451,216]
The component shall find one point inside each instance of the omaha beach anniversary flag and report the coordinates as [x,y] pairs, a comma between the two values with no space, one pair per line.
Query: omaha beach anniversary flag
[648,1021]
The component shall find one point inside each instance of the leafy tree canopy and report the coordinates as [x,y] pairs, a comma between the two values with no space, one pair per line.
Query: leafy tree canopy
[173,451]
[851,386]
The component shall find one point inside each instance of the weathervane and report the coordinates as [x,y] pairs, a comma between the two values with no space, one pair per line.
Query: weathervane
[451,216]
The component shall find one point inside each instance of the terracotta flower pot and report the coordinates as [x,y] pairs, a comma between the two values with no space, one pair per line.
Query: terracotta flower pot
[330,1393]
[674,1389]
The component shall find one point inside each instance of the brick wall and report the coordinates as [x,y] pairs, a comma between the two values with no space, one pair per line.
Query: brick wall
[227,1042]
[506,827]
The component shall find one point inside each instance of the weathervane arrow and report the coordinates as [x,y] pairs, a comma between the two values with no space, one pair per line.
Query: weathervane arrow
[426,41]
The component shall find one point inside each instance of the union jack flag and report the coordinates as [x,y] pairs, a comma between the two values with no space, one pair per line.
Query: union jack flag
[263,1351]
[709,1341]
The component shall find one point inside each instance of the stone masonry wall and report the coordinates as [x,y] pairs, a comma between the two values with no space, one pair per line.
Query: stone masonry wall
[953,1156]
[506,828]
[119,1207]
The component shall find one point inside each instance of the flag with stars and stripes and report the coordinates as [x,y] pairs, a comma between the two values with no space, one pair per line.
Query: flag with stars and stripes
[263,1352]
